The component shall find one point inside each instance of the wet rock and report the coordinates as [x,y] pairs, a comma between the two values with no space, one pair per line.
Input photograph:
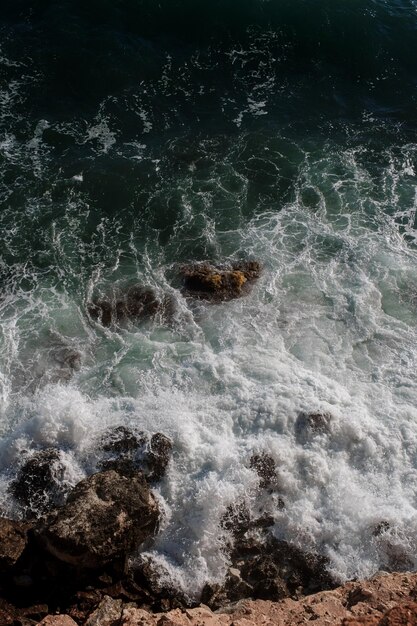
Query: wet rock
[269,570]
[264,466]
[381,528]
[39,482]
[156,582]
[122,440]
[308,425]
[137,303]
[105,518]
[218,282]
[128,452]
[158,456]
[13,541]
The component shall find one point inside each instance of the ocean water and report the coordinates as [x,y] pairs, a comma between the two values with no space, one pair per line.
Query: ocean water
[135,136]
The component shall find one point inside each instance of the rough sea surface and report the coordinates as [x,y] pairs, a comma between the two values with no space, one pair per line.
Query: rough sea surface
[136,135]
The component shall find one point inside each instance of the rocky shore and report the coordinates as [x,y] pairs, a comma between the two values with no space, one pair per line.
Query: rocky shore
[67,558]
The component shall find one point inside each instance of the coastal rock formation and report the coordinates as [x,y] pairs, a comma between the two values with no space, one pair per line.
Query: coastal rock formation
[218,282]
[137,303]
[105,518]
[39,482]
[127,452]
[270,570]
[384,600]
[13,540]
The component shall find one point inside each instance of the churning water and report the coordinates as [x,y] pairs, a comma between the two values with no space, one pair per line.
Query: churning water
[137,135]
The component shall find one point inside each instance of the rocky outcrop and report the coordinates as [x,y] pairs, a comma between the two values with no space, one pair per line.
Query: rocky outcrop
[105,518]
[137,303]
[127,452]
[385,600]
[219,282]
[269,569]
[13,540]
[40,483]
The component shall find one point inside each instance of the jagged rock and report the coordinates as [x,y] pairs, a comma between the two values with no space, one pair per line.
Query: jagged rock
[108,613]
[269,570]
[216,282]
[128,452]
[122,440]
[105,518]
[39,482]
[264,466]
[158,456]
[308,425]
[137,303]
[13,540]
[154,579]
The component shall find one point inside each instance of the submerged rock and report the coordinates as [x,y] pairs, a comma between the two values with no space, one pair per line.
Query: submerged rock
[218,282]
[105,518]
[13,540]
[308,425]
[40,482]
[138,303]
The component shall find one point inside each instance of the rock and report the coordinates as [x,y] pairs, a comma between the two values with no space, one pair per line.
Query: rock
[268,569]
[108,613]
[57,620]
[39,482]
[308,425]
[13,540]
[159,454]
[105,518]
[217,283]
[137,303]
[129,452]
[264,466]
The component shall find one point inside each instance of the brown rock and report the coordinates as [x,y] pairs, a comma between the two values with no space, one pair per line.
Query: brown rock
[108,613]
[105,518]
[13,540]
[216,283]
[57,620]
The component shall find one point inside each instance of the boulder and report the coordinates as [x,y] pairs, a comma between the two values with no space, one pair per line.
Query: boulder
[13,540]
[219,282]
[108,613]
[137,303]
[127,452]
[158,456]
[57,620]
[39,482]
[105,518]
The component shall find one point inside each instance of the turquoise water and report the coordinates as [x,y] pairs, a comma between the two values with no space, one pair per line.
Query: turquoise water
[135,137]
